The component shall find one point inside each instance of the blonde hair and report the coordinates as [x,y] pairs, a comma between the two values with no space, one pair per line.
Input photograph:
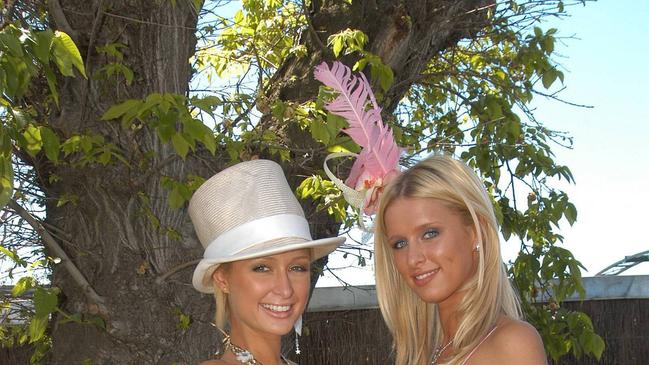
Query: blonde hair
[221,299]
[414,324]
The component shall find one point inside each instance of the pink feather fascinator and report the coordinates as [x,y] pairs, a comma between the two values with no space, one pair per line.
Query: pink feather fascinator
[378,161]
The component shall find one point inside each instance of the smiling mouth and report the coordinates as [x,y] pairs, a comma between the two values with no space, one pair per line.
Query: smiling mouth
[279,309]
[426,275]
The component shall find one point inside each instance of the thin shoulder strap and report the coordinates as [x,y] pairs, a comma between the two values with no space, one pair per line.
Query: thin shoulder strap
[289,362]
[480,343]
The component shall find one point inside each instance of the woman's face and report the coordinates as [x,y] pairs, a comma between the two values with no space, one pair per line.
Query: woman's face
[267,294]
[432,246]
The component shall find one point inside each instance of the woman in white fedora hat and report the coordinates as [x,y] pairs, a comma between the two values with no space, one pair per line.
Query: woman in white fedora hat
[258,252]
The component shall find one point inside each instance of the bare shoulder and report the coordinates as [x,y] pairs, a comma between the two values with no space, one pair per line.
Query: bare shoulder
[518,342]
[513,342]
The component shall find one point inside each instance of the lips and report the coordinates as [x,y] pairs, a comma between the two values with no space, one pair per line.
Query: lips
[424,277]
[278,311]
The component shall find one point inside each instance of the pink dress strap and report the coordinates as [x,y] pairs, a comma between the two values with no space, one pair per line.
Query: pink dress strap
[475,348]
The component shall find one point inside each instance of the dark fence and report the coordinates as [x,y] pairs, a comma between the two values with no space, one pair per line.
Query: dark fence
[344,327]
[360,337]
[624,325]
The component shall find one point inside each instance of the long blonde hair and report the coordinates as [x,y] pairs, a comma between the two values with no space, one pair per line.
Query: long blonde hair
[414,324]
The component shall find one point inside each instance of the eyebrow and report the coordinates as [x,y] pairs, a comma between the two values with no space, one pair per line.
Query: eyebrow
[430,224]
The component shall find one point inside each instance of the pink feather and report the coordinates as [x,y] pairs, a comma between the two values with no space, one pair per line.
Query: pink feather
[356,103]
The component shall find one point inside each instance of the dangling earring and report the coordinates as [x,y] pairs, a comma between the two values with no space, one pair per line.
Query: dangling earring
[298,332]
[477,247]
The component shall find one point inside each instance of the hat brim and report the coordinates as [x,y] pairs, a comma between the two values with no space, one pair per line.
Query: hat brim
[202,278]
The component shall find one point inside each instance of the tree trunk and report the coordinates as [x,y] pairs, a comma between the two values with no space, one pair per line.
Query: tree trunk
[109,232]
[109,235]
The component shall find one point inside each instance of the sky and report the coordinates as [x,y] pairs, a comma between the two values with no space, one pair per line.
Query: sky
[606,66]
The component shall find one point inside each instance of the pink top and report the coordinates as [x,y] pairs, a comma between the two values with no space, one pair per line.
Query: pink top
[475,348]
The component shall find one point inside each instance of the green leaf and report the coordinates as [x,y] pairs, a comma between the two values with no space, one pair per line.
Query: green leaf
[305,189]
[37,328]
[51,83]
[150,101]
[548,44]
[45,302]
[34,141]
[97,321]
[180,145]
[23,284]
[595,345]
[166,126]
[12,43]
[51,143]
[207,104]
[334,125]
[199,131]
[319,131]
[337,46]
[118,110]
[195,129]
[386,77]
[197,5]
[66,54]
[104,157]
[175,199]
[21,118]
[42,45]
[6,180]
[12,255]
[6,144]
[571,213]
[184,320]
[548,78]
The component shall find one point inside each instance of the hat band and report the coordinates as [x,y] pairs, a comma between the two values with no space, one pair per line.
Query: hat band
[257,231]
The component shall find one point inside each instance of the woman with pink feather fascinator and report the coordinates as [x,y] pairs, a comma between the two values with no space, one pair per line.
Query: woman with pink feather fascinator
[441,283]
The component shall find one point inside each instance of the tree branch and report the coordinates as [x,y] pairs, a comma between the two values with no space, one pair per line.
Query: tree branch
[51,244]
[59,18]
[160,279]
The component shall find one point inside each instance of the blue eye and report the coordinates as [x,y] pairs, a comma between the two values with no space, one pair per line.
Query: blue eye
[261,268]
[399,244]
[431,233]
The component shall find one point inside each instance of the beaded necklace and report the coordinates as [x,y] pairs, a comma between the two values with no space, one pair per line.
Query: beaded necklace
[439,351]
[242,355]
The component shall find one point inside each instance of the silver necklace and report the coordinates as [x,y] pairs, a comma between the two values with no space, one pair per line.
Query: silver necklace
[242,355]
[439,351]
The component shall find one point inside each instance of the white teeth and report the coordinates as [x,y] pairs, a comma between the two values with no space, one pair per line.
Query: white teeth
[425,275]
[277,308]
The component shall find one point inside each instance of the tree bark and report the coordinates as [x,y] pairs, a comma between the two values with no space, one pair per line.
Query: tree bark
[109,235]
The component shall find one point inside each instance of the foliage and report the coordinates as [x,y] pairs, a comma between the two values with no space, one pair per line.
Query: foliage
[477,92]
[24,55]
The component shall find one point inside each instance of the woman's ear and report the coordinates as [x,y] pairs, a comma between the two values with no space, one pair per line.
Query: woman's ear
[220,279]
[483,227]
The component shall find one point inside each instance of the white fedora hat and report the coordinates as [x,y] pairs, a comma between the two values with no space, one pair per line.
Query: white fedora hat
[247,211]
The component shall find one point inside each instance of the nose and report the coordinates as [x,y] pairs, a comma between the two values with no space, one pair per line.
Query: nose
[415,255]
[283,285]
